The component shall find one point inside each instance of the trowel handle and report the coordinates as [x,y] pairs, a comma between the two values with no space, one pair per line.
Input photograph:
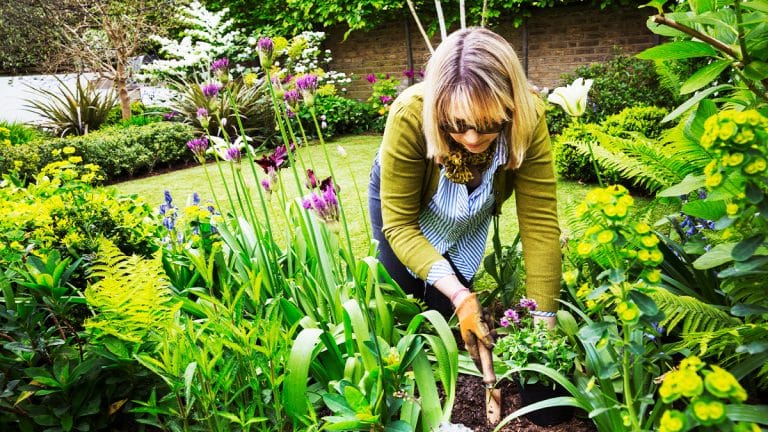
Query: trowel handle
[486,360]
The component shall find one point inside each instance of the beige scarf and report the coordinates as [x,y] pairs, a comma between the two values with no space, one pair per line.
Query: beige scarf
[458,162]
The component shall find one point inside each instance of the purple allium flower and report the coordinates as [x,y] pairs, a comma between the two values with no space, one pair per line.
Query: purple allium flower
[266,52]
[306,203]
[198,147]
[220,64]
[211,90]
[408,73]
[274,161]
[329,195]
[289,113]
[307,82]
[318,203]
[232,154]
[266,185]
[371,78]
[292,99]
[202,112]
[385,99]
[529,304]
[504,322]
[287,78]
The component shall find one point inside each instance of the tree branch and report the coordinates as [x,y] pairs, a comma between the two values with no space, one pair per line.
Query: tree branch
[725,49]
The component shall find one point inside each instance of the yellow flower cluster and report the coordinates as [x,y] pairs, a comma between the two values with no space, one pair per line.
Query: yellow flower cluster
[704,389]
[738,142]
[5,136]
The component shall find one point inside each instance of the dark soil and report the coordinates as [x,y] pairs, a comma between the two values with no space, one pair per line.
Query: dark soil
[469,409]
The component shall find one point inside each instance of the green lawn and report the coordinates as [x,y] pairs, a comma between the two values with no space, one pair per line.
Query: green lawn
[351,174]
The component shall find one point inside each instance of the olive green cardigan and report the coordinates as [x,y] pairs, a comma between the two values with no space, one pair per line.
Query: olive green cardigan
[409,181]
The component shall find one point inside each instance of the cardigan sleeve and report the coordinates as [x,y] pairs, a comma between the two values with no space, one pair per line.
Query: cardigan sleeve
[404,166]
[535,198]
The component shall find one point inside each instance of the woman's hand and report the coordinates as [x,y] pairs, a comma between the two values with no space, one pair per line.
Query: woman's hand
[473,328]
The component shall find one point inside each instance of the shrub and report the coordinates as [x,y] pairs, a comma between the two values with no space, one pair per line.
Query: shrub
[573,165]
[121,152]
[619,83]
[72,111]
[341,116]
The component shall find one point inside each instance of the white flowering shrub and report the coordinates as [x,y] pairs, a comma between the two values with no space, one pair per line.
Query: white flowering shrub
[208,36]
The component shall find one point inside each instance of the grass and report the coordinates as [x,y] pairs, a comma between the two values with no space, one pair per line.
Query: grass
[351,175]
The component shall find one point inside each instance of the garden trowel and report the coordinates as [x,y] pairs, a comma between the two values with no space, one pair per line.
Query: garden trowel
[492,395]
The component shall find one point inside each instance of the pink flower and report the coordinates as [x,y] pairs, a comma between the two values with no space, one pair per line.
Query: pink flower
[371,78]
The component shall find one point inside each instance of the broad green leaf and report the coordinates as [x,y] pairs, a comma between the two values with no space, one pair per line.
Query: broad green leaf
[705,209]
[747,247]
[743,310]
[645,303]
[756,70]
[398,426]
[663,30]
[336,423]
[704,76]
[678,50]
[748,413]
[746,267]
[701,6]
[356,400]
[337,403]
[689,184]
[295,384]
[694,124]
[685,106]
[718,255]
[758,5]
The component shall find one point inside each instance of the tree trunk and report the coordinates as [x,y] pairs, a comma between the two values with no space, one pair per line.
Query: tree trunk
[121,85]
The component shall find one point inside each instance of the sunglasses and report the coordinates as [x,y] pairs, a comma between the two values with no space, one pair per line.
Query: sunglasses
[461,127]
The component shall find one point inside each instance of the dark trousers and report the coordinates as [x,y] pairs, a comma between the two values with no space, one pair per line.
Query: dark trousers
[433,298]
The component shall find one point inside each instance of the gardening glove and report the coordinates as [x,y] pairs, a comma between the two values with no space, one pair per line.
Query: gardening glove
[473,328]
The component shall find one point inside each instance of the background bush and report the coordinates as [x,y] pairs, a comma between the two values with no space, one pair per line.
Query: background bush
[121,152]
[572,165]
[342,116]
[18,133]
[619,83]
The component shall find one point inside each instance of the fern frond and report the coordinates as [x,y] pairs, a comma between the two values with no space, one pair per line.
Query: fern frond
[131,297]
[669,80]
[747,290]
[693,314]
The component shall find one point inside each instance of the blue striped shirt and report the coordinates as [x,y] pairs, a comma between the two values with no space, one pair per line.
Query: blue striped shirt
[457,222]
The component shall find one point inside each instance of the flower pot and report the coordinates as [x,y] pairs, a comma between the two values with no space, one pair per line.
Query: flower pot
[532,393]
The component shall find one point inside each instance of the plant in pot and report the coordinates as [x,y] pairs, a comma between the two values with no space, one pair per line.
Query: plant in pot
[523,343]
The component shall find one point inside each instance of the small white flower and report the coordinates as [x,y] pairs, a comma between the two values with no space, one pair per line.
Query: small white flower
[341,151]
[573,97]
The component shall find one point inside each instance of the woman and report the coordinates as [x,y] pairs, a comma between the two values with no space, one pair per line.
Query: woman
[454,149]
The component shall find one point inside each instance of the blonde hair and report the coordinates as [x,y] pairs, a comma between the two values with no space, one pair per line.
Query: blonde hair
[475,76]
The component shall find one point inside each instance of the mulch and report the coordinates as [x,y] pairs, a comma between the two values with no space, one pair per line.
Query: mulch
[469,409]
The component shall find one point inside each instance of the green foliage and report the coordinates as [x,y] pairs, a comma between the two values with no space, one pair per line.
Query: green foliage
[572,164]
[75,111]
[341,116]
[18,133]
[27,37]
[692,314]
[619,83]
[120,152]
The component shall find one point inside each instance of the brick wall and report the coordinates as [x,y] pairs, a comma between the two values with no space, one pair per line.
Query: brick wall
[558,40]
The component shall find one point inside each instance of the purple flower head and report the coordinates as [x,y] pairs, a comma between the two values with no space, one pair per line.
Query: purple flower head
[329,195]
[306,203]
[385,99]
[371,78]
[311,179]
[202,112]
[289,113]
[504,322]
[292,99]
[318,203]
[307,83]
[529,304]
[274,161]
[512,315]
[287,78]
[233,154]
[266,52]
[170,115]
[221,64]
[211,90]
[266,185]
[195,198]
[198,147]
[169,223]
[168,198]
[408,73]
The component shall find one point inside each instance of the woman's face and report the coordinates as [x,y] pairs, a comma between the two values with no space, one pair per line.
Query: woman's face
[473,141]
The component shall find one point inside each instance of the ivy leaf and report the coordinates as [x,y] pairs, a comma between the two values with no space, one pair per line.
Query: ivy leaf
[678,50]
[747,247]
[704,76]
